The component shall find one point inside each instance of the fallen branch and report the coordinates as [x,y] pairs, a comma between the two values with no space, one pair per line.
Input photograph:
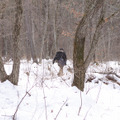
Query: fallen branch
[90,78]
[108,73]
[111,78]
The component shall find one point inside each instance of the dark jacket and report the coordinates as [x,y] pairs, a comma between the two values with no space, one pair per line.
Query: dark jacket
[60,58]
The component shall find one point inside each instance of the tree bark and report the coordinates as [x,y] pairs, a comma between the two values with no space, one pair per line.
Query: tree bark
[54,26]
[45,29]
[78,59]
[79,62]
[3,75]
[13,78]
[29,27]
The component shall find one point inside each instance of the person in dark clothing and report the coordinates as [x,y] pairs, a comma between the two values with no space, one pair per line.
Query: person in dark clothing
[61,59]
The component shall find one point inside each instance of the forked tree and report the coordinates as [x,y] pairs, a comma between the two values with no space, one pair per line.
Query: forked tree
[94,13]
[14,76]
[80,62]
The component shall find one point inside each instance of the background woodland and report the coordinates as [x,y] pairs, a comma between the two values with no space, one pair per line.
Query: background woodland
[47,25]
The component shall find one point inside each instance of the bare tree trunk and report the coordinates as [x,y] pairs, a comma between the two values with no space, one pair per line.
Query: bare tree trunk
[3,43]
[78,59]
[54,26]
[80,64]
[2,53]
[3,75]
[14,76]
[45,29]
[16,32]
[29,24]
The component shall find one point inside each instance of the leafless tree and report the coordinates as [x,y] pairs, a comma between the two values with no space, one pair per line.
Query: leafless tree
[29,29]
[95,14]
[13,77]
[48,25]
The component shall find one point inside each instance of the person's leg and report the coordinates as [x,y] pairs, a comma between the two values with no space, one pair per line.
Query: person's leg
[60,71]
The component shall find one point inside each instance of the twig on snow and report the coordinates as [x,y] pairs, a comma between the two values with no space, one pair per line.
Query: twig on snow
[60,110]
[27,93]
[80,104]
[45,103]
[87,113]
[99,93]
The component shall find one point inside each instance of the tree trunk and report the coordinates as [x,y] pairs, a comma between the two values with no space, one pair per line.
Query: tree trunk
[78,55]
[29,24]
[79,61]
[54,26]
[13,78]
[3,75]
[45,22]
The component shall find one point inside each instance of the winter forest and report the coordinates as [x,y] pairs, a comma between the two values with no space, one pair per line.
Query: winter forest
[31,86]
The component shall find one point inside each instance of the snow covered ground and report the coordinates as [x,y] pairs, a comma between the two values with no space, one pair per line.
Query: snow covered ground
[43,95]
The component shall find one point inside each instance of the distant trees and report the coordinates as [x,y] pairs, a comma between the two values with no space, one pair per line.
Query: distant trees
[48,25]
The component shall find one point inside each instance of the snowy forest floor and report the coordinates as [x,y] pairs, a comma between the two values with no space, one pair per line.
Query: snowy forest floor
[42,95]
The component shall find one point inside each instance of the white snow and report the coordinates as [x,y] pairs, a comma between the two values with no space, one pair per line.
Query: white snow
[42,95]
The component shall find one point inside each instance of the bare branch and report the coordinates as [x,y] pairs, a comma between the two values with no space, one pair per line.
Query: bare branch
[80,104]
[112,15]
[27,93]
[87,113]
[99,93]
[60,110]
[45,102]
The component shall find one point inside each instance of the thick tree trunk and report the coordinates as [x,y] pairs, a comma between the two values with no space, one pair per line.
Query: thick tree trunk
[13,78]
[79,61]
[3,75]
